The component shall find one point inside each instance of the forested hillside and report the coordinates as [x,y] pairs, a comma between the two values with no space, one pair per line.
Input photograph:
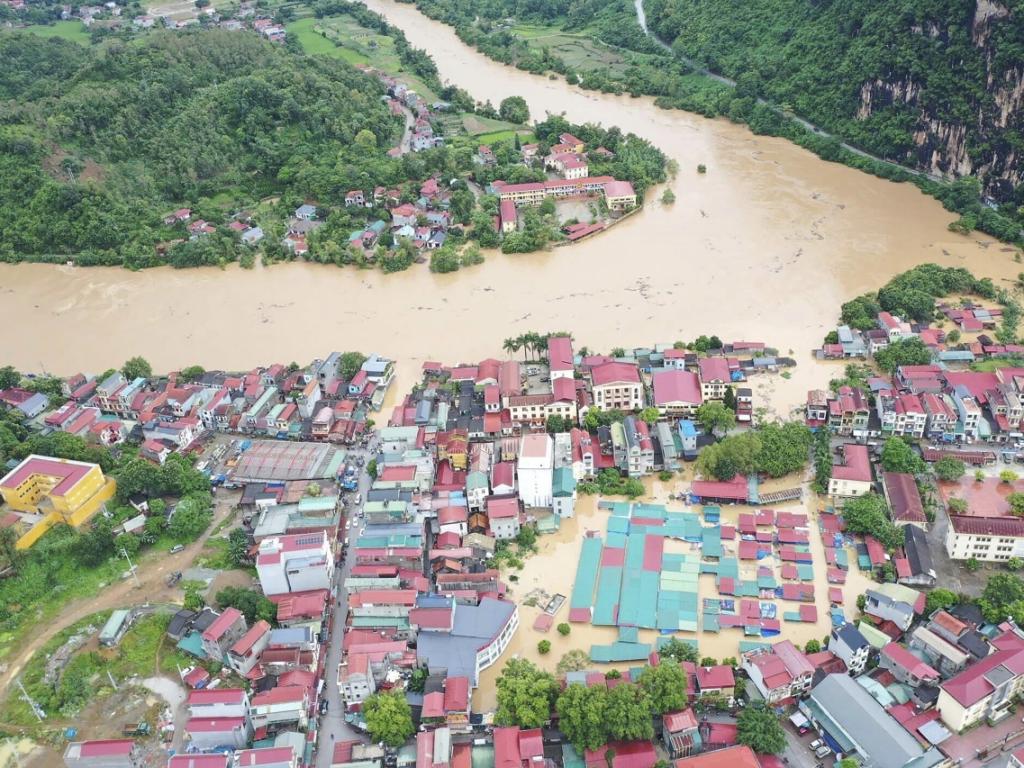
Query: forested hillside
[97,144]
[937,84]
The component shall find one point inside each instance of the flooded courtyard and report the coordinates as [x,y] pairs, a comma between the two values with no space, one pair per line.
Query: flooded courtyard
[553,571]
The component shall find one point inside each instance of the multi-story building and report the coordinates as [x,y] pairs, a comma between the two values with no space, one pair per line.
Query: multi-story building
[848,644]
[478,636]
[560,357]
[849,412]
[223,632]
[780,672]
[968,413]
[901,414]
[853,477]
[941,417]
[906,667]
[987,689]
[617,386]
[295,563]
[245,654]
[55,491]
[993,539]
[639,450]
[503,517]
[714,377]
[535,464]
[563,492]
[676,392]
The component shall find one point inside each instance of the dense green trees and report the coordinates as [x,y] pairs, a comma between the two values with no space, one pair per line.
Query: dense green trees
[525,695]
[899,456]
[169,119]
[514,109]
[665,685]
[774,449]
[758,727]
[868,514]
[904,352]
[949,469]
[389,718]
[1003,597]
[581,715]
[253,605]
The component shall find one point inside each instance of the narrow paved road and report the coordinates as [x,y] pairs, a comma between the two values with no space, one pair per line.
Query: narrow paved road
[333,727]
[152,572]
[641,18]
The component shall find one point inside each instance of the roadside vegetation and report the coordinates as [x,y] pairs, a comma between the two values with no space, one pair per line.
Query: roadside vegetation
[65,563]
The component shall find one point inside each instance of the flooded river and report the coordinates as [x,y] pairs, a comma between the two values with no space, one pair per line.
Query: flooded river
[765,246]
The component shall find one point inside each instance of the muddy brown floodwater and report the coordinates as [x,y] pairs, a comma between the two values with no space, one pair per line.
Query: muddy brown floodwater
[765,245]
[553,571]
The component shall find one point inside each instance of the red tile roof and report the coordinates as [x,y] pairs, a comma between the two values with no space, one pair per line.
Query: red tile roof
[674,386]
[612,373]
[221,624]
[904,499]
[70,472]
[719,676]
[248,640]
[560,354]
[908,661]
[502,508]
[987,526]
[713,368]
[857,466]
[970,686]
[456,694]
[106,747]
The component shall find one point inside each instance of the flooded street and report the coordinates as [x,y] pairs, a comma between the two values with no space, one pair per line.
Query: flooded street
[763,247]
[553,570]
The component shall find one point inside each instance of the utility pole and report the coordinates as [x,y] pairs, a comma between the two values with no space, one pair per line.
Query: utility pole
[131,567]
[113,682]
[36,710]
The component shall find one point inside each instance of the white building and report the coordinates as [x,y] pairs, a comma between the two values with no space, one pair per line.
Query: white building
[284,704]
[536,462]
[218,702]
[503,517]
[295,563]
[853,477]
[995,539]
[563,496]
[617,386]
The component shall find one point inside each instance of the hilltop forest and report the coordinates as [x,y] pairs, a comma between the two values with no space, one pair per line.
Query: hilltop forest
[934,85]
[98,143]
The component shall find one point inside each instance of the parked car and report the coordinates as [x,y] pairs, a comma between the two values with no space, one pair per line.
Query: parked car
[177,548]
[821,752]
[816,745]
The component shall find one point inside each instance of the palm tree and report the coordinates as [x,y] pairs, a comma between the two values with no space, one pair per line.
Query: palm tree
[511,345]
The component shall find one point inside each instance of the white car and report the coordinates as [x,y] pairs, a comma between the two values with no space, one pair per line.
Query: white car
[816,744]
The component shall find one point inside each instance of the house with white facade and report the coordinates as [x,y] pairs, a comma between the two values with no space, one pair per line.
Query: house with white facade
[535,464]
[295,563]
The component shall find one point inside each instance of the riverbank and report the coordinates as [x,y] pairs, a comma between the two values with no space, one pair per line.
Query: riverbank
[681,83]
[770,239]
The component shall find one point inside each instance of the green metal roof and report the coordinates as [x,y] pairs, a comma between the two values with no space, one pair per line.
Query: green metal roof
[562,482]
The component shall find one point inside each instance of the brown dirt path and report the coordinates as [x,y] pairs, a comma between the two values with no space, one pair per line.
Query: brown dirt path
[152,572]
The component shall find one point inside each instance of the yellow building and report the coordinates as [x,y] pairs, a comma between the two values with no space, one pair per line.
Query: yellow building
[55,490]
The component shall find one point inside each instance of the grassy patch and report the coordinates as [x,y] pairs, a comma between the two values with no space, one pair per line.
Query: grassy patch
[994,364]
[215,555]
[341,37]
[144,651]
[74,31]
[495,136]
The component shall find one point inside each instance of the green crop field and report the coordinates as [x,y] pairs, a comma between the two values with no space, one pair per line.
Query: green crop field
[74,31]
